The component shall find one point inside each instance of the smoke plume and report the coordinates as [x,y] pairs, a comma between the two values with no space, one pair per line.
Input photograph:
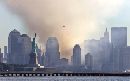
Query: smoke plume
[71,21]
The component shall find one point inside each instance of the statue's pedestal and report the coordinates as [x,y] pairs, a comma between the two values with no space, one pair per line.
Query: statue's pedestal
[33,60]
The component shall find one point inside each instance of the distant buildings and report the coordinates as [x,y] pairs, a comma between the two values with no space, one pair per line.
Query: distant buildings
[5,57]
[100,50]
[89,61]
[13,47]
[1,56]
[76,55]
[119,37]
[125,59]
[52,54]
[25,48]
[101,55]
[105,50]
[63,62]
[119,44]
[94,48]
[19,48]
[106,36]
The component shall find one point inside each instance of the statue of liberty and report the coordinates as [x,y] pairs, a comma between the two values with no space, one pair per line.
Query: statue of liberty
[34,44]
[33,56]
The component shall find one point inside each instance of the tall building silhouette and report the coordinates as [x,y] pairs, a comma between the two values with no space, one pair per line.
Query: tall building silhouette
[105,50]
[119,37]
[25,49]
[94,47]
[19,48]
[106,36]
[119,42]
[13,47]
[100,50]
[76,55]
[52,54]
[1,56]
[125,59]
[89,61]
[5,57]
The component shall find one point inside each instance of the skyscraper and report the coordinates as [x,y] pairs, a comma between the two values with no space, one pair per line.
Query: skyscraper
[25,48]
[125,59]
[100,50]
[52,55]
[13,47]
[119,42]
[89,61]
[5,57]
[19,48]
[105,49]
[106,36]
[76,55]
[119,37]
[1,56]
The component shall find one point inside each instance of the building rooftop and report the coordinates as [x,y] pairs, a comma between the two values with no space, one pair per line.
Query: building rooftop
[24,35]
[15,30]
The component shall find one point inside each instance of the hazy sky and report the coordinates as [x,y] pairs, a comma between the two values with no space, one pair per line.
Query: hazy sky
[100,14]
[8,22]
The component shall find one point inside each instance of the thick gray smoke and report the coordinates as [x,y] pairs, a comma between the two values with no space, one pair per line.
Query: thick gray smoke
[69,20]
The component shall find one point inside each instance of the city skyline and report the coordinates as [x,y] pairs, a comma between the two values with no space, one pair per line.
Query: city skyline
[100,55]
[83,52]
[64,40]
[68,33]
[82,46]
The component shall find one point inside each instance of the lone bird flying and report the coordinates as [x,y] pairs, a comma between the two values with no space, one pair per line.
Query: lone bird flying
[63,26]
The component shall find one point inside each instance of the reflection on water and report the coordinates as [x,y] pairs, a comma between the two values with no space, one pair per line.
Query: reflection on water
[64,78]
